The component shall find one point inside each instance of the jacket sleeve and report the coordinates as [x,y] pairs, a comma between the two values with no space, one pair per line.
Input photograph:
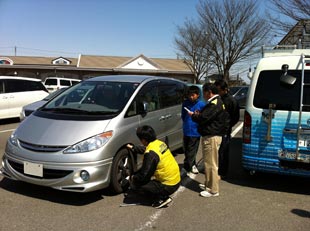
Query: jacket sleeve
[147,170]
[183,112]
[236,113]
[206,115]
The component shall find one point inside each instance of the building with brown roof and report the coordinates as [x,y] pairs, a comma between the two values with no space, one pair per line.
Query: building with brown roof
[87,66]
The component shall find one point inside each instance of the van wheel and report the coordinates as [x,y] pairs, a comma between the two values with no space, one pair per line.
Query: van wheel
[121,168]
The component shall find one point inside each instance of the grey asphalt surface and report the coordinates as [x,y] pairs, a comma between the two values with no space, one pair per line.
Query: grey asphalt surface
[260,202]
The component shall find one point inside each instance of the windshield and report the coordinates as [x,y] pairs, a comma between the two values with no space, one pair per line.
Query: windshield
[270,90]
[233,90]
[92,98]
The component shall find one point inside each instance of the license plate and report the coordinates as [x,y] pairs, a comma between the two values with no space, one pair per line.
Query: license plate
[292,156]
[33,169]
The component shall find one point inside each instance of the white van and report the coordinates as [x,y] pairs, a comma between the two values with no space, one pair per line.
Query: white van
[15,92]
[276,135]
[54,83]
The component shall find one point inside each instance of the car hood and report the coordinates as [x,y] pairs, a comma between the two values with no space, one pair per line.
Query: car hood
[34,106]
[44,131]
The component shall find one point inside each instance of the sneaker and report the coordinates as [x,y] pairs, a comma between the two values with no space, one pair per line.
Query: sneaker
[203,187]
[194,169]
[161,203]
[208,194]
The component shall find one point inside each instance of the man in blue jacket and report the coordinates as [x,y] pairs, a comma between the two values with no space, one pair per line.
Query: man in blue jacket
[191,136]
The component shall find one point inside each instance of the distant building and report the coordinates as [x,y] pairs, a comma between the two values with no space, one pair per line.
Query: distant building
[298,36]
[87,66]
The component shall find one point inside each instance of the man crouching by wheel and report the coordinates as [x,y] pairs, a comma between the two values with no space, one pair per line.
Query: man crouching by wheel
[159,175]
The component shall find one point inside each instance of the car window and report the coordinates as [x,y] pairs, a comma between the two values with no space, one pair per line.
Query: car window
[93,98]
[19,85]
[243,91]
[171,93]
[73,82]
[1,86]
[269,90]
[148,94]
[64,82]
[50,82]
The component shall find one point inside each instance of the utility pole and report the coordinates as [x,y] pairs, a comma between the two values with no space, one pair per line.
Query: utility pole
[15,50]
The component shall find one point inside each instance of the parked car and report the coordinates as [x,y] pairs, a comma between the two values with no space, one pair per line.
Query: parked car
[77,141]
[29,108]
[240,94]
[54,83]
[15,92]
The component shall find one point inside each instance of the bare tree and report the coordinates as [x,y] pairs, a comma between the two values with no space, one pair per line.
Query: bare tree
[192,46]
[294,10]
[234,29]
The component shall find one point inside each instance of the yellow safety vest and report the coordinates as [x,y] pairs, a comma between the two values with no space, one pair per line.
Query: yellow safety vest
[167,171]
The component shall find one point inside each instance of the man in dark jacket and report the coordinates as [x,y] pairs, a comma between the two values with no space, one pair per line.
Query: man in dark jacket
[232,107]
[213,123]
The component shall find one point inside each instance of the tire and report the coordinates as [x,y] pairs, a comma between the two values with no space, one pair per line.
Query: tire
[120,170]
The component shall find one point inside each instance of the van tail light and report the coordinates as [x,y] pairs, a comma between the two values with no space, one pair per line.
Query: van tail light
[247,128]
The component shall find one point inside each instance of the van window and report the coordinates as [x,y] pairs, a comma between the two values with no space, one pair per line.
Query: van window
[170,93]
[65,82]
[19,85]
[73,82]
[270,90]
[51,82]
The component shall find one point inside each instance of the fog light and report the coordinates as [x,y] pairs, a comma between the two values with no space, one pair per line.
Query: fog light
[84,175]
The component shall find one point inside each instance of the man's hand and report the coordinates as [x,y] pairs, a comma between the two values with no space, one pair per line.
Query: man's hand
[129,146]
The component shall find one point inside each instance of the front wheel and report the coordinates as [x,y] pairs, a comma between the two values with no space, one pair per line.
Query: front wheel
[121,168]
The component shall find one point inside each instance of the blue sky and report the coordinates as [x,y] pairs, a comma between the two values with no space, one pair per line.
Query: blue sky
[106,27]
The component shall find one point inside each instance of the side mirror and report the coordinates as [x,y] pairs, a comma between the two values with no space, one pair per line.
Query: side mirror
[285,78]
[250,74]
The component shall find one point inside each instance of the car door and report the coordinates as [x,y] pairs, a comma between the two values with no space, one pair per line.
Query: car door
[171,95]
[4,102]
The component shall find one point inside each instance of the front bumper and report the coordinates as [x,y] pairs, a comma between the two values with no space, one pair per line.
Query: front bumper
[61,176]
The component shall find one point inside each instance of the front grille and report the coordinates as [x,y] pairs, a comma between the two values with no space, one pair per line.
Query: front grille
[47,173]
[41,148]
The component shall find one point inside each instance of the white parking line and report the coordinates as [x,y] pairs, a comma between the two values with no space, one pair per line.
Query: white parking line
[155,216]
[10,130]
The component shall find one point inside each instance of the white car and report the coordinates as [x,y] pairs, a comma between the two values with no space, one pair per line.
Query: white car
[15,92]
[29,108]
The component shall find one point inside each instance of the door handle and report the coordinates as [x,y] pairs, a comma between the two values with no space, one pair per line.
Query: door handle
[4,97]
[168,116]
[162,118]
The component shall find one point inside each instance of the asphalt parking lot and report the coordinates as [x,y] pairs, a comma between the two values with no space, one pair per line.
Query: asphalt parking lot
[260,202]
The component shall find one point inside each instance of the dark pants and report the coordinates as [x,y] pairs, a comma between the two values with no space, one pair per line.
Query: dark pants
[158,190]
[224,155]
[191,145]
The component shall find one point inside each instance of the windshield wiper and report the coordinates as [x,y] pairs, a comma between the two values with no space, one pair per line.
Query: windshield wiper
[65,110]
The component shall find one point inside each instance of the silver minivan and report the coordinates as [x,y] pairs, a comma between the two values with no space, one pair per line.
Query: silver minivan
[77,141]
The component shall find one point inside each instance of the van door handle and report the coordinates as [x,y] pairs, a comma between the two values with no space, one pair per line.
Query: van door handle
[162,118]
[168,116]
[4,97]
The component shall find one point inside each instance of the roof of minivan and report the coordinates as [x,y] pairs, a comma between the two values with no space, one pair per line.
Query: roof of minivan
[19,77]
[127,78]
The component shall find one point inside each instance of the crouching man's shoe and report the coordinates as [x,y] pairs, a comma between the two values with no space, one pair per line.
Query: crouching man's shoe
[162,203]
[208,194]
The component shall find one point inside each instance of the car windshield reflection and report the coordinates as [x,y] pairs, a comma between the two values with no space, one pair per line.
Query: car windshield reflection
[92,98]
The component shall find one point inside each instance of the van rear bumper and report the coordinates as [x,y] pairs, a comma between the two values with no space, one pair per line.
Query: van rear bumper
[66,177]
[271,165]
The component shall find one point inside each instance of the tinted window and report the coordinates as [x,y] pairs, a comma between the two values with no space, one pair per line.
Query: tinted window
[19,85]
[51,82]
[74,82]
[171,93]
[65,82]
[270,90]
[1,86]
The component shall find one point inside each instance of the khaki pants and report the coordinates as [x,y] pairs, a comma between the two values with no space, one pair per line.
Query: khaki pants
[210,148]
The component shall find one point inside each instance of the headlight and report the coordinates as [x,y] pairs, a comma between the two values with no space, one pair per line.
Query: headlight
[90,144]
[13,139]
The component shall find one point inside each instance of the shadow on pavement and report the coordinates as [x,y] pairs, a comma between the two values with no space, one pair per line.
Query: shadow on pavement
[53,195]
[9,121]
[301,213]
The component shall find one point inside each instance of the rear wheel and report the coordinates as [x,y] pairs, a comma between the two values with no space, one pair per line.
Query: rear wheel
[121,168]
